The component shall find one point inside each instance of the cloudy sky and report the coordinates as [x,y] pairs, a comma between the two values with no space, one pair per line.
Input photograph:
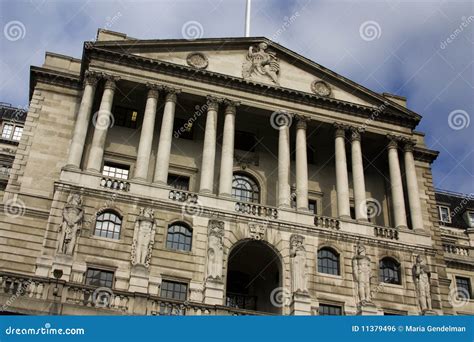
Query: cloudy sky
[422,50]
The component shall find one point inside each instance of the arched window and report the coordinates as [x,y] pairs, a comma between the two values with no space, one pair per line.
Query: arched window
[389,271]
[180,237]
[108,225]
[328,261]
[245,188]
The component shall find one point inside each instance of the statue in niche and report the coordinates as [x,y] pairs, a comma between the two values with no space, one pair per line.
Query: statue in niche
[143,237]
[73,215]
[421,277]
[298,263]
[215,250]
[362,273]
[262,62]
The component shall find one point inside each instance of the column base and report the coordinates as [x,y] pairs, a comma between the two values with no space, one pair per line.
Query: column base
[205,192]
[345,217]
[71,167]
[362,220]
[139,180]
[225,195]
[161,183]
[93,171]
[401,227]
[284,206]
[301,304]
[303,210]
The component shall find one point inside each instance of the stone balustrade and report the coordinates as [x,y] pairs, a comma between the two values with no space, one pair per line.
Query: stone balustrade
[256,210]
[327,222]
[182,196]
[386,233]
[115,184]
[456,249]
[85,295]
[23,286]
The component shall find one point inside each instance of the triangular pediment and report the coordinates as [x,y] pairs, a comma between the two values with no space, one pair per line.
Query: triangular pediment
[247,58]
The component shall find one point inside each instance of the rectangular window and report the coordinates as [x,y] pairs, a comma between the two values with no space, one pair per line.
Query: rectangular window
[183,129]
[116,170]
[174,290]
[7,131]
[463,286]
[125,117]
[444,215]
[100,278]
[245,141]
[178,182]
[313,206]
[470,218]
[330,310]
[17,132]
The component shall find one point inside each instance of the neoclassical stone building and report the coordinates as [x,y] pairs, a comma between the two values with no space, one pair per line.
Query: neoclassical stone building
[219,176]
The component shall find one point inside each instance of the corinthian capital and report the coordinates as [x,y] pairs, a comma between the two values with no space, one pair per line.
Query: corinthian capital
[408,145]
[213,102]
[356,133]
[91,78]
[171,93]
[301,121]
[393,141]
[340,129]
[153,89]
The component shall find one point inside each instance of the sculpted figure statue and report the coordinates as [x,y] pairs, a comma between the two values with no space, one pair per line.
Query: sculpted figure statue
[298,263]
[261,62]
[215,250]
[70,228]
[421,277]
[143,237]
[362,273]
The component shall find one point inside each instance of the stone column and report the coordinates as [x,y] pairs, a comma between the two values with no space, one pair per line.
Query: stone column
[102,123]
[209,146]
[146,135]
[227,157]
[360,201]
[284,189]
[82,121]
[412,187]
[166,137]
[396,185]
[342,180]
[301,165]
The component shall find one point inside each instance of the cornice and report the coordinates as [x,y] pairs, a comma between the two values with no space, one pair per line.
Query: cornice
[390,115]
[54,77]
[425,155]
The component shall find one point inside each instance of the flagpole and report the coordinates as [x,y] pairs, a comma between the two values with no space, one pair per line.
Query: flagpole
[247,18]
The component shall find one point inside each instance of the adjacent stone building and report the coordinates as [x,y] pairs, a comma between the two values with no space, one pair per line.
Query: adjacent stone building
[221,176]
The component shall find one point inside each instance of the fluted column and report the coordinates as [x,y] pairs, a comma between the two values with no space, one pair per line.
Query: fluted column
[146,135]
[209,146]
[82,120]
[396,184]
[166,137]
[342,180]
[284,189]
[360,201]
[301,165]
[102,123]
[412,187]
[227,157]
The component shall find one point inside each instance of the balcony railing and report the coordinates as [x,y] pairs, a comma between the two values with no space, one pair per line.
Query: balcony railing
[456,249]
[327,222]
[386,233]
[256,210]
[182,196]
[115,184]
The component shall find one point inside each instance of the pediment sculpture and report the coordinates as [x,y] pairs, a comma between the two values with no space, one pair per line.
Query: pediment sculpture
[261,62]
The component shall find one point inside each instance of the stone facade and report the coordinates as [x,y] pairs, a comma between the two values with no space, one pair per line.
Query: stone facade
[326,165]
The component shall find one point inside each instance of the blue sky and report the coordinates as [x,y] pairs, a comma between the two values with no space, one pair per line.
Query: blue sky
[422,50]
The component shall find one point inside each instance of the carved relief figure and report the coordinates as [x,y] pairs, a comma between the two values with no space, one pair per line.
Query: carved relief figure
[143,237]
[257,231]
[298,263]
[70,228]
[215,249]
[262,62]
[362,273]
[421,277]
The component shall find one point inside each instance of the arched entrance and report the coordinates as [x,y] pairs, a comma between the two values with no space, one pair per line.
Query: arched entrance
[253,272]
